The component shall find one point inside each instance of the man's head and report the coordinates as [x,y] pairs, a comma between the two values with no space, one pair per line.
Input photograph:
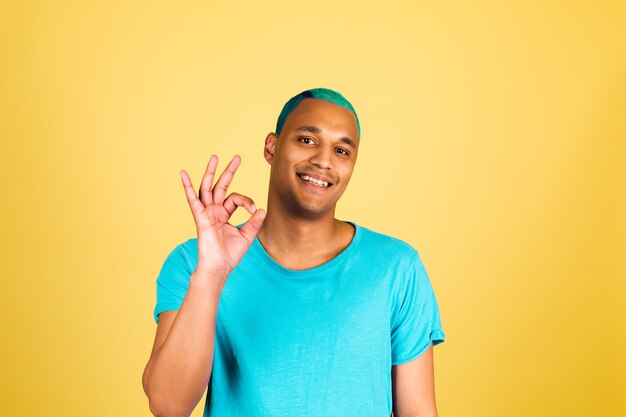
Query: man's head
[312,153]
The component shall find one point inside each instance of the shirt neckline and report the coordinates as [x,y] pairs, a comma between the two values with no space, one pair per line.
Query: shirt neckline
[271,262]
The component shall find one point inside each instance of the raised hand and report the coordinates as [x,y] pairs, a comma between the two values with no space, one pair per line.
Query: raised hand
[220,244]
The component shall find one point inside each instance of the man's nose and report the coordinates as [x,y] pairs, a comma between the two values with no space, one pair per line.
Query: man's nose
[323,157]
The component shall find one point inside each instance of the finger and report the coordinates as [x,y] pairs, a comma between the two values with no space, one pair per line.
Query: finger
[207,181]
[235,200]
[251,228]
[221,186]
[195,204]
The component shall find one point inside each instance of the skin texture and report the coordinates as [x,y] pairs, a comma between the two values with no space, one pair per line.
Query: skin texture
[299,231]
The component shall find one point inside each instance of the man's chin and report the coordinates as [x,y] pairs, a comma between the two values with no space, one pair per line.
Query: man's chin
[313,211]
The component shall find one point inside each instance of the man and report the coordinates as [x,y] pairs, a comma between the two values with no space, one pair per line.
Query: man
[294,313]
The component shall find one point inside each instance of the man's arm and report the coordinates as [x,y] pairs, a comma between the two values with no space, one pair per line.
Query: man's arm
[181,362]
[179,368]
[414,387]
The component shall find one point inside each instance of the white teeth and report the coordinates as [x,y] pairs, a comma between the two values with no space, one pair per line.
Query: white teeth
[314,180]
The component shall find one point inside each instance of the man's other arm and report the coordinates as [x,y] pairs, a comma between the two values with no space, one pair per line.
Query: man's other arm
[414,387]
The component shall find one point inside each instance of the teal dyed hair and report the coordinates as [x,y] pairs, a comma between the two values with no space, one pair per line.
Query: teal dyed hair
[320,93]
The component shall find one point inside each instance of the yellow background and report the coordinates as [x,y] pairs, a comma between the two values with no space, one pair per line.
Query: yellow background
[493,141]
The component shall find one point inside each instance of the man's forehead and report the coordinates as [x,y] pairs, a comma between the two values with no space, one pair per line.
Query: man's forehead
[312,112]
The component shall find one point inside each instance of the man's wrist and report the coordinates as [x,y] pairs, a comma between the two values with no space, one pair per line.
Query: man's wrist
[209,280]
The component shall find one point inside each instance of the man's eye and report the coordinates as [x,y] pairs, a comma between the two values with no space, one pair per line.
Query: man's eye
[305,139]
[342,151]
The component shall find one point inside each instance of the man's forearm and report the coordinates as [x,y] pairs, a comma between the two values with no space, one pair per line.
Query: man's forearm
[178,373]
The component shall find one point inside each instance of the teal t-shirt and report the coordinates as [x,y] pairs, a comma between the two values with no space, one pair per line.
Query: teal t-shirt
[318,342]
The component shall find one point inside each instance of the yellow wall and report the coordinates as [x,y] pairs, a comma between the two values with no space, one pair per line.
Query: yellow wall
[493,141]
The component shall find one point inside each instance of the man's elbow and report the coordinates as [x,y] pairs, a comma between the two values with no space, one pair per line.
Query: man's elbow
[161,407]
[144,379]
[165,410]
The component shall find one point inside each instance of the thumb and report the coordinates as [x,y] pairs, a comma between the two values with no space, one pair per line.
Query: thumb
[250,229]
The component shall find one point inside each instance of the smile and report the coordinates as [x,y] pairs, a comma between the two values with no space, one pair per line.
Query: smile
[315,181]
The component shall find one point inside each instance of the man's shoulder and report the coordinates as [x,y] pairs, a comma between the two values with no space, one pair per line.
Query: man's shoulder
[386,244]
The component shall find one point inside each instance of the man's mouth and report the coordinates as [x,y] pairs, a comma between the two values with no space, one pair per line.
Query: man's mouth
[315,181]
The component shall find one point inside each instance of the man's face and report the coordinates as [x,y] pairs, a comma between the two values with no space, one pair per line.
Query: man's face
[313,158]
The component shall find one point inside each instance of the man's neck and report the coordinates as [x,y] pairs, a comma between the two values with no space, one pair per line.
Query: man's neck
[303,243]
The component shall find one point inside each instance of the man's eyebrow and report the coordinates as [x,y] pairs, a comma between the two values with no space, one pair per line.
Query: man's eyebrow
[348,142]
[317,130]
[311,129]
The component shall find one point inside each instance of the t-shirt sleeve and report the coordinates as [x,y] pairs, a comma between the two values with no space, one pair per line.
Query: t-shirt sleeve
[173,280]
[415,320]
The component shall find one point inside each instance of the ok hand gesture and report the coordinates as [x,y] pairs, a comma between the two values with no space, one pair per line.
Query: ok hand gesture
[220,244]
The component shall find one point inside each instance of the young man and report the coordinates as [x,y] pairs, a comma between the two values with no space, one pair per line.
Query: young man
[295,313]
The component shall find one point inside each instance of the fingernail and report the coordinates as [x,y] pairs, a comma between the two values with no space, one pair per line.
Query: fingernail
[253,207]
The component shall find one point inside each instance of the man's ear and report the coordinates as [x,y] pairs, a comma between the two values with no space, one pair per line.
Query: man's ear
[270,147]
